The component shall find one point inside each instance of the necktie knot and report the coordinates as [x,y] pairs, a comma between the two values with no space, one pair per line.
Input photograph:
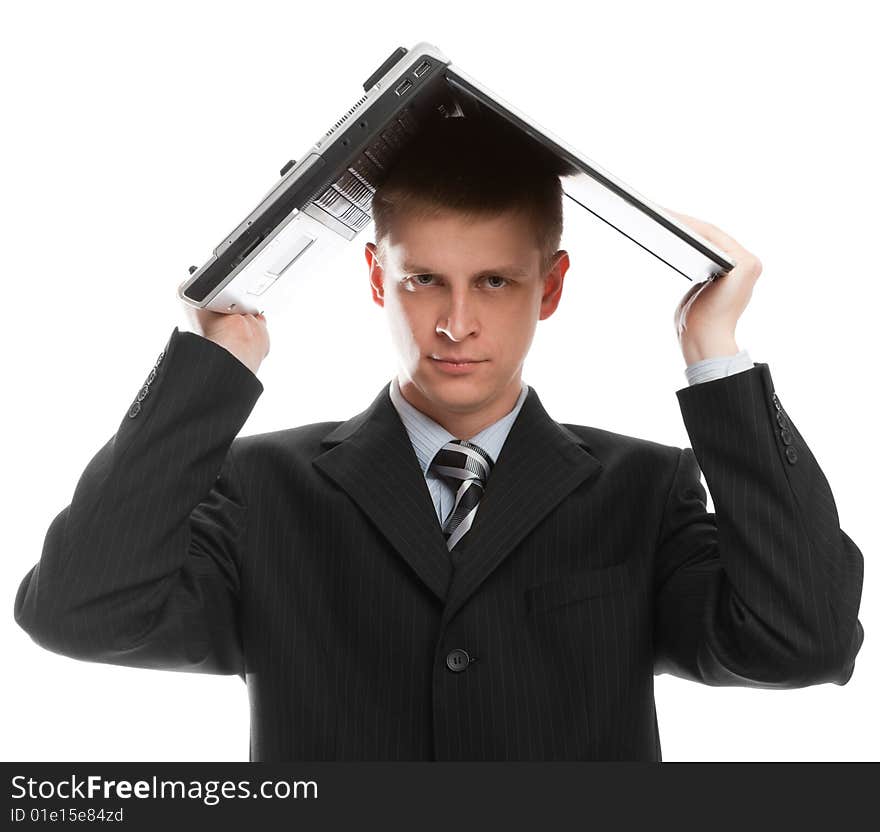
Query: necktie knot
[459,460]
[466,467]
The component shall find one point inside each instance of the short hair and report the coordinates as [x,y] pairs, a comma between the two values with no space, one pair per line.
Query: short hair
[479,166]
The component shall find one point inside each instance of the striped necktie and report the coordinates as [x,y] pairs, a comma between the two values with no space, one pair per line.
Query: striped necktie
[466,467]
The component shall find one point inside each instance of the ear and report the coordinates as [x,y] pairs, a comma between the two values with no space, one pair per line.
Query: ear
[377,278]
[553,279]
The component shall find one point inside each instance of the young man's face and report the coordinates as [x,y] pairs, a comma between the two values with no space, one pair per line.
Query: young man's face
[463,289]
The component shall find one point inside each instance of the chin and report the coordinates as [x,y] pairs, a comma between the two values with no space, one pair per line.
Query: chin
[457,393]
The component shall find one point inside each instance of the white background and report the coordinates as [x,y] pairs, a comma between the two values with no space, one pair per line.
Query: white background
[137,136]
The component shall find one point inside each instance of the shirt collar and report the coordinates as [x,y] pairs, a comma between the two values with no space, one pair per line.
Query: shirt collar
[428,437]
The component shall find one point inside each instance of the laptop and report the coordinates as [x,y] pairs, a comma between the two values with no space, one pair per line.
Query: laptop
[322,201]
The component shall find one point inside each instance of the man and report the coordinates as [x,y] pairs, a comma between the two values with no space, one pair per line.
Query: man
[451,574]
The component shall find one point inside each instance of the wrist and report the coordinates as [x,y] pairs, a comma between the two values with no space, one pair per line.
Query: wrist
[243,352]
[694,351]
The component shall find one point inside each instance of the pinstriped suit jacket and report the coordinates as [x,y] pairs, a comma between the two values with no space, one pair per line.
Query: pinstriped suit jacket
[310,562]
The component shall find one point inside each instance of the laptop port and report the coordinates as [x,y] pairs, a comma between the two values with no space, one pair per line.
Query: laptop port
[422,68]
[400,89]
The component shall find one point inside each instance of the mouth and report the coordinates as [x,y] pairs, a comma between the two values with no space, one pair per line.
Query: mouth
[452,360]
[448,364]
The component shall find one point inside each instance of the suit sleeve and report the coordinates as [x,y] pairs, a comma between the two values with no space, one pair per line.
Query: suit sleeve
[142,568]
[765,591]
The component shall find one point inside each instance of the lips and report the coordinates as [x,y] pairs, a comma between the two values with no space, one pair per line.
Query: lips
[456,366]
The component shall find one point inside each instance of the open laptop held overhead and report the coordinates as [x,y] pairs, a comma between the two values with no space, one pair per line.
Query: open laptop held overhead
[323,201]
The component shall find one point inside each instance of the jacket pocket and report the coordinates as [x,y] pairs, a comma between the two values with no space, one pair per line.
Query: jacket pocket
[578,586]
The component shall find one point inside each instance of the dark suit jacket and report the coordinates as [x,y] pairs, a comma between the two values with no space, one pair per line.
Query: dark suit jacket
[311,562]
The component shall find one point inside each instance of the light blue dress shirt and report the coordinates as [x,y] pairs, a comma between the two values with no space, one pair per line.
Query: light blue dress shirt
[427,437]
[710,368]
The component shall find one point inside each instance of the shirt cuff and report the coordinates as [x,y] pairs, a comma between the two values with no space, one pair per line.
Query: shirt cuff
[712,368]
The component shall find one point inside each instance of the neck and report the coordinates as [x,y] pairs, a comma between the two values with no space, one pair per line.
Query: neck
[462,424]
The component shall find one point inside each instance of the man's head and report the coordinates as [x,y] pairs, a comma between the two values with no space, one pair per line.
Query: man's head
[468,223]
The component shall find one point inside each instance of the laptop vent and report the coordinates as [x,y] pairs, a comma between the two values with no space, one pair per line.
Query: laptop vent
[349,199]
[341,121]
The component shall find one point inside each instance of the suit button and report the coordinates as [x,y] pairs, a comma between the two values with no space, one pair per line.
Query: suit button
[780,418]
[151,377]
[457,660]
[159,359]
[791,453]
[143,392]
[786,436]
[134,410]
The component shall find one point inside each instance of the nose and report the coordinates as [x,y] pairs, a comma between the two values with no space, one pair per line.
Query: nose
[458,319]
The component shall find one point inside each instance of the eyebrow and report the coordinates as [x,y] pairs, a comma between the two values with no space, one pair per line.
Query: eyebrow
[513,271]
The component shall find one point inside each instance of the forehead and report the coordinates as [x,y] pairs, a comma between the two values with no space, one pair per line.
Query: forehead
[453,241]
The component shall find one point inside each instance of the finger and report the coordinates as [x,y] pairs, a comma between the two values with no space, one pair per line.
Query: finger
[712,233]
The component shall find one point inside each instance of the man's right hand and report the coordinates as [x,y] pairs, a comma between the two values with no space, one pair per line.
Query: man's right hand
[245,335]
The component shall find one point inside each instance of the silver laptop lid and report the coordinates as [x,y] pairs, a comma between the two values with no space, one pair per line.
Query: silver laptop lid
[323,202]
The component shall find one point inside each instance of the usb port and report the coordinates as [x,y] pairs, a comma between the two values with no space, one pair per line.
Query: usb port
[400,89]
[422,68]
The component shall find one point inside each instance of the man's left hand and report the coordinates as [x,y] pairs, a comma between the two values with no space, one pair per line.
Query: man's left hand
[706,324]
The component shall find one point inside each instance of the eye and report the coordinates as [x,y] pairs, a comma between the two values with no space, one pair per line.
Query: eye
[426,280]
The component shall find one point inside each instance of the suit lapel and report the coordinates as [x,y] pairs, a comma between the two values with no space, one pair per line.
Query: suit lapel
[540,463]
[371,458]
